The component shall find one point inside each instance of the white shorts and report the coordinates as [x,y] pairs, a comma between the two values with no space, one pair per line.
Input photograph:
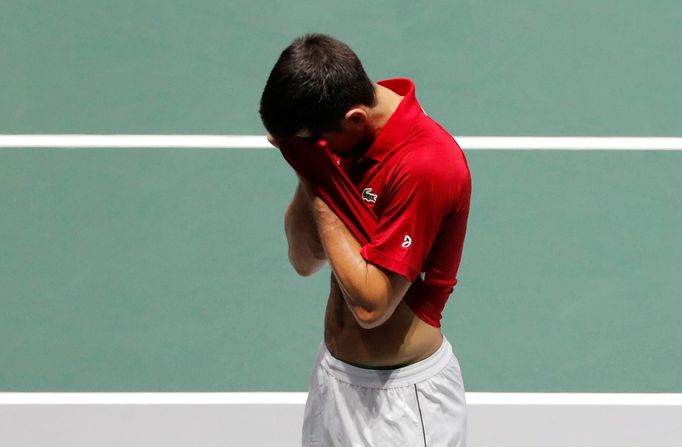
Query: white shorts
[421,404]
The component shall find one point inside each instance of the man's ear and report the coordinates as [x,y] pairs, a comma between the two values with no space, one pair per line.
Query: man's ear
[356,116]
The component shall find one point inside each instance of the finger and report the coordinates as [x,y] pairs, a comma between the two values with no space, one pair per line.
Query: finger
[272,140]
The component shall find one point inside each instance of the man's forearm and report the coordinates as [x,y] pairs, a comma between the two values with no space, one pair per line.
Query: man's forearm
[306,253]
[371,293]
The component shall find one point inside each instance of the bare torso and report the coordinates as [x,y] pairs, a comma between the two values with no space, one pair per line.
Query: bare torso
[403,339]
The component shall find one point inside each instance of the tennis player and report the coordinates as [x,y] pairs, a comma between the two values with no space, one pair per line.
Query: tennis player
[385,375]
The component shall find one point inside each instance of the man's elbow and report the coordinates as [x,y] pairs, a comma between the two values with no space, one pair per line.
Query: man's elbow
[371,318]
[305,267]
[304,270]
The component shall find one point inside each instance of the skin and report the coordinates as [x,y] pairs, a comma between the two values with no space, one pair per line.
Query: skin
[367,322]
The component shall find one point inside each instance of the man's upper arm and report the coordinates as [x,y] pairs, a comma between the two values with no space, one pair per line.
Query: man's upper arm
[418,200]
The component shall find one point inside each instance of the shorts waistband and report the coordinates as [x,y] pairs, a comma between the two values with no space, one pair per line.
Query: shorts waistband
[386,378]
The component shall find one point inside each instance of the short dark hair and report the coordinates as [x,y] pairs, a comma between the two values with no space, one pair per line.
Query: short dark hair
[313,84]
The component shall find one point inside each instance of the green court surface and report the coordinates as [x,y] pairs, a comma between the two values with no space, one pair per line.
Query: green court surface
[550,67]
[165,269]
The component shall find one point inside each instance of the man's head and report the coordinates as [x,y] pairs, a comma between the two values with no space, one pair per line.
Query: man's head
[318,89]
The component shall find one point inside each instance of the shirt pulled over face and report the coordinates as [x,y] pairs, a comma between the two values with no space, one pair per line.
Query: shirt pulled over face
[406,200]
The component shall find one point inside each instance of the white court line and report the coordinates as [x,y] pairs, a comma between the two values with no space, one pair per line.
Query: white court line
[260,142]
[151,398]
[589,399]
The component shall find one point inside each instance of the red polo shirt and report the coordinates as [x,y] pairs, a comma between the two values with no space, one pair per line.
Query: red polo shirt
[406,199]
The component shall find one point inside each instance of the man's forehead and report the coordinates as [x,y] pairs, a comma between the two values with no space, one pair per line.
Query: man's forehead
[304,133]
[307,133]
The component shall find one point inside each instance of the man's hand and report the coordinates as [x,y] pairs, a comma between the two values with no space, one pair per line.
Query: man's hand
[272,140]
[372,293]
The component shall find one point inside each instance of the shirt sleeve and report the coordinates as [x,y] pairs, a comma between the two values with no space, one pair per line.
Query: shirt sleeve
[418,199]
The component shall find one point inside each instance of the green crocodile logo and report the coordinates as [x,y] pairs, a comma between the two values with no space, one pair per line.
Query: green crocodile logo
[368,196]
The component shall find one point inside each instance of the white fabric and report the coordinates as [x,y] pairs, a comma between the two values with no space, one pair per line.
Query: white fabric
[421,404]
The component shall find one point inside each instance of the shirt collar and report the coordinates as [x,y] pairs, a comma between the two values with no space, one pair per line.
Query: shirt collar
[398,125]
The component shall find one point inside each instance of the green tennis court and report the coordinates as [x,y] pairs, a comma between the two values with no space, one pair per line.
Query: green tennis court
[165,269]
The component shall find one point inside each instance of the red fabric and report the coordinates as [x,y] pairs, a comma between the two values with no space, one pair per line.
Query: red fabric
[406,199]
[315,164]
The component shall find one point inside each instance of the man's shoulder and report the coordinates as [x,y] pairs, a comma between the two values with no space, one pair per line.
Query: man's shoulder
[432,150]
[431,171]
[427,130]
